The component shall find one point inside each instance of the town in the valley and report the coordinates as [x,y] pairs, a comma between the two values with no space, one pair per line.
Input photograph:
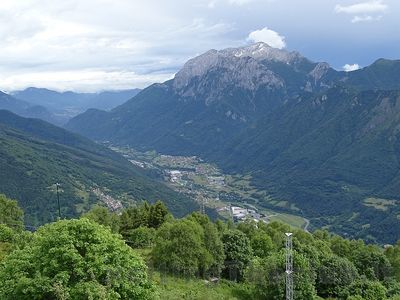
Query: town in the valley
[231,196]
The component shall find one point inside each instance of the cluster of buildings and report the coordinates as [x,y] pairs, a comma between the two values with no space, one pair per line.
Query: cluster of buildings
[175,176]
[240,214]
[111,203]
[218,181]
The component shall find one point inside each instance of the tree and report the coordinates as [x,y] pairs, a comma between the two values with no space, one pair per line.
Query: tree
[7,236]
[144,215]
[238,253]
[180,248]
[248,227]
[212,243]
[74,259]
[276,230]
[340,246]
[393,254]
[367,289]
[10,213]
[140,237]
[356,297]
[393,287]
[268,277]
[261,243]
[157,214]
[134,217]
[103,216]
[335,274]
[221,226]
[371,261]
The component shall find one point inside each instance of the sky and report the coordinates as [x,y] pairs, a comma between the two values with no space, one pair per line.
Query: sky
[94,45]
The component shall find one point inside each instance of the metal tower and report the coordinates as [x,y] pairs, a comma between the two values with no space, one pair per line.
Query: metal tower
[289,266]
[202,205]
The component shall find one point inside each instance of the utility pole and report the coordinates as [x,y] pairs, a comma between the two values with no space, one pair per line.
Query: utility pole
[202,205]
[58,201]
[289,266]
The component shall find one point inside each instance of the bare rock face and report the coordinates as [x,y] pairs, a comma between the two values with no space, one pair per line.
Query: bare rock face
[240,66]
[319,71]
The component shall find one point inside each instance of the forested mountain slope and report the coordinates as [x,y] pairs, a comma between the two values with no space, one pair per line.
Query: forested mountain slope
[308,134]
[34,155]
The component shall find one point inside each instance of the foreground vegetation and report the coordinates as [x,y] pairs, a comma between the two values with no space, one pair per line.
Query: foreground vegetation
[144,253]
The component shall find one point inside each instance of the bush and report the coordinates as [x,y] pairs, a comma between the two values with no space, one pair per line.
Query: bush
[141,237]
[75,259]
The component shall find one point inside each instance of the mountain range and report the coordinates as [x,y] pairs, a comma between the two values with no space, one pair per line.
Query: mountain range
[322,143]
[26,109]
[61,106]
[35,155]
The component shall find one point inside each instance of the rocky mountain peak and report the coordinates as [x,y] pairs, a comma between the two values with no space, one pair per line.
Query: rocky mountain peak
[262,51]
[231,57]
[320,70]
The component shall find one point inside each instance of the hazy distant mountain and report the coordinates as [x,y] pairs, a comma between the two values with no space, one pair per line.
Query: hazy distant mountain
[69,104]
[34,155]
[26,109]
[315,137]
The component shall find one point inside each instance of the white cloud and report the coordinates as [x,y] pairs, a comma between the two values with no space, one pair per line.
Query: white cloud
[359,19]
[81,80]
[373,6]
[211,4]
[268,36]
[132,44]
[350,68]
[240,2]
[150,40]
[364,11]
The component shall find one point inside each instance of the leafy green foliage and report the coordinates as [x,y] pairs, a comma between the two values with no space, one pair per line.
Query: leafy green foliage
[144,215]
[80,259]
[10,213]
[103,216]
[74,259]
[238,253]
[157,214]
[180,248]
[212,243]
[268,275]
[335,274]
[368,290]
[262,245]
[140,237]
[393,254]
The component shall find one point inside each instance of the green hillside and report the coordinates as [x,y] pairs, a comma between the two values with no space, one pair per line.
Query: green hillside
[34,155]
[310,136]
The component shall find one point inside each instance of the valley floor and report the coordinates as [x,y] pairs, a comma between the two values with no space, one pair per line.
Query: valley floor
[213,189]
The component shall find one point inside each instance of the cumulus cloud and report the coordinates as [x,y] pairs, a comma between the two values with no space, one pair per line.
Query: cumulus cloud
[374,6]
[240,2]
[358,19]
[351,67]
[94,44]
[142,42]
[268,36]
[364,11]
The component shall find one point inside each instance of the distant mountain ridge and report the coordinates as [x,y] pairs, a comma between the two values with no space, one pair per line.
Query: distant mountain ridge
[34,155]
[26,109]
[69,104]
[310,135]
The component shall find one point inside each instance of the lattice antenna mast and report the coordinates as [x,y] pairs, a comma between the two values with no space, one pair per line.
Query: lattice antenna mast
[202,205]
[289,266]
